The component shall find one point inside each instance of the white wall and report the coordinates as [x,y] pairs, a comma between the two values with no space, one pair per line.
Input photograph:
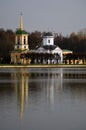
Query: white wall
[48,40]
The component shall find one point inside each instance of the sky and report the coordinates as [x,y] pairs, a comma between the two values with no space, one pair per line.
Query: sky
[57,16]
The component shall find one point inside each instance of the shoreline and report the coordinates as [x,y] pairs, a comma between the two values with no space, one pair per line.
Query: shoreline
[46,66]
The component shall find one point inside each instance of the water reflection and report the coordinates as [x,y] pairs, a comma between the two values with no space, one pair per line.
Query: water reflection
[21,88]
[42,84]
[34,92]
[36,85]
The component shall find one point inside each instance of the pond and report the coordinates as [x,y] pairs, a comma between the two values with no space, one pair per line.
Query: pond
[43,99]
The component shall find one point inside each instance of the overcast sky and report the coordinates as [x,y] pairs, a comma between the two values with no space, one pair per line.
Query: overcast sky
[61,16]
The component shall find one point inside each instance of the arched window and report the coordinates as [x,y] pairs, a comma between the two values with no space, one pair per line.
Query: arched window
[48,41]
[17,47]
[24,40]
[18,40]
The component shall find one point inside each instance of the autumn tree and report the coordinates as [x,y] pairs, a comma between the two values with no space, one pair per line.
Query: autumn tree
[7,40]
[35,39]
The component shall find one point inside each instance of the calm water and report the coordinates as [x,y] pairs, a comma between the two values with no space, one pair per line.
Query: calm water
[43,99]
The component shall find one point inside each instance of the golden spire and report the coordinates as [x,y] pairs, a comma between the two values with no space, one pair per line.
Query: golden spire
[21,22]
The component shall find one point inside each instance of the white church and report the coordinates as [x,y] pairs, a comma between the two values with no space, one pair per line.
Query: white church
[47,53]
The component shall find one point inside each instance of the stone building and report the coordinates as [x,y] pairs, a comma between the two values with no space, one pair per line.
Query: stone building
[48,53]
[21,45]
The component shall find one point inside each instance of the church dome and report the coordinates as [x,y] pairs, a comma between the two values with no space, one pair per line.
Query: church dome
[19,31]
[47,34]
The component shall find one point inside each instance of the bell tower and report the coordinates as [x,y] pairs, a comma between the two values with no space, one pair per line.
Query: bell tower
[21,45]
[21,37]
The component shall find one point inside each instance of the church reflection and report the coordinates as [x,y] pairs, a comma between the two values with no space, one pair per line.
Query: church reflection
[36,85]
[21,88]
[54,84]
[45,83]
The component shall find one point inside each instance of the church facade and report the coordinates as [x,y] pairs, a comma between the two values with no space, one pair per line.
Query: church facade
[47,53]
